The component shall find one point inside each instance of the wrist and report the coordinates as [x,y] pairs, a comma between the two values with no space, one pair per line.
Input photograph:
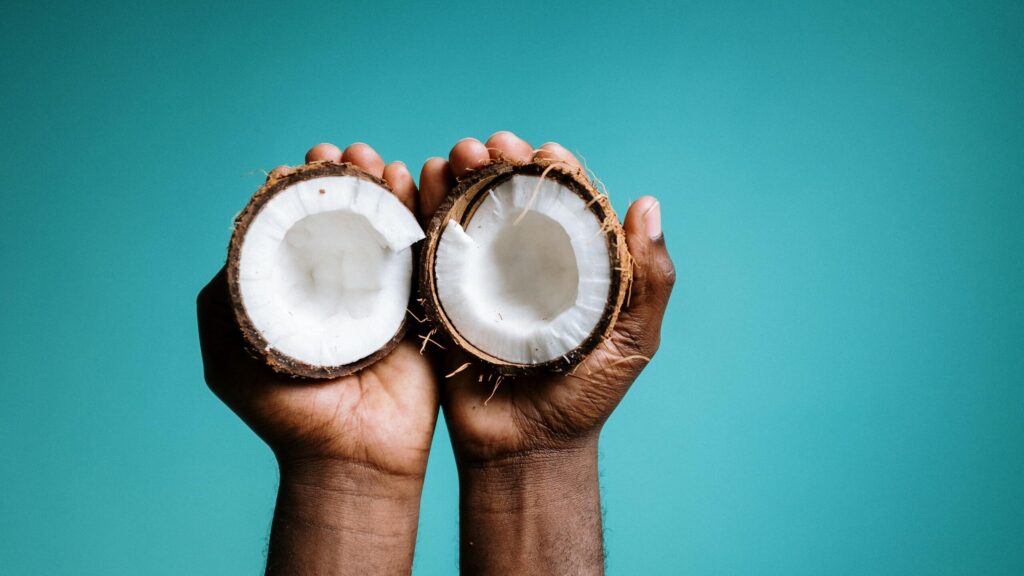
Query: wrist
[351,514]
[531,479]
[329,479]
[514,507]
[473,452]
[348,495]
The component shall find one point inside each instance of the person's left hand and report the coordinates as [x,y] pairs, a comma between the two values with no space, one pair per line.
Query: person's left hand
[381,417]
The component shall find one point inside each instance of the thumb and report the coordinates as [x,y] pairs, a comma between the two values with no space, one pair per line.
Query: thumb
[226,364]
[653,277]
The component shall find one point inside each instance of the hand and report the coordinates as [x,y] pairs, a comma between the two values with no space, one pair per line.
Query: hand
[353,450]
[560,411]
[527,451]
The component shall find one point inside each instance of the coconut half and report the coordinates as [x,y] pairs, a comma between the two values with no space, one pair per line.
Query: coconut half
[525,266]
[320,270]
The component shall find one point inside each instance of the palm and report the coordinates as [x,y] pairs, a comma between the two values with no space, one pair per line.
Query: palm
[537,413]
[383,415]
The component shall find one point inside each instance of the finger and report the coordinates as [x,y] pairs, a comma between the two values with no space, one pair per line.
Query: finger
[435,182]
[467,155]
[653,276]
[397,176]
[557,152]
[323,152]
[365,157]
[280,172]
[507,146]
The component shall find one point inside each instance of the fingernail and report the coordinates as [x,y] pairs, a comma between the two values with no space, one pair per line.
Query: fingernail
[652,220]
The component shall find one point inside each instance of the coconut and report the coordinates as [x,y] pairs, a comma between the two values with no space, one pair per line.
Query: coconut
[320,269]
[525,266]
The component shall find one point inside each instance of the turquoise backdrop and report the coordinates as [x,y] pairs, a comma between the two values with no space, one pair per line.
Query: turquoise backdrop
[841,384]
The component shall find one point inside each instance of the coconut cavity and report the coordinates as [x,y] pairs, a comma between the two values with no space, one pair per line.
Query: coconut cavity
[321,270]
[524,271]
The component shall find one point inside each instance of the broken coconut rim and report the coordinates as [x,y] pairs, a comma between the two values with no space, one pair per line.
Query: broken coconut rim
[461,205]
[258,345]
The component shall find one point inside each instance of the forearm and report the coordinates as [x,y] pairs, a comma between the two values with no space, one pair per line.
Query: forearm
[343,518]
[538,513]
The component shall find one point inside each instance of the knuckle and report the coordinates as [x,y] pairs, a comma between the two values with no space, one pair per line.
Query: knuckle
[668,273]
[654,344]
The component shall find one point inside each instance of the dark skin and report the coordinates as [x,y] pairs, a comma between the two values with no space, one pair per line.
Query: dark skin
[353,451]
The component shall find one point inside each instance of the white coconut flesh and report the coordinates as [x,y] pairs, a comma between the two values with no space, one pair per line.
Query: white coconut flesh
[528,278]
[325,269]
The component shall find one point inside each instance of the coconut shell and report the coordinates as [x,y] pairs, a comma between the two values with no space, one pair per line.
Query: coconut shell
[257,345]
[460,206]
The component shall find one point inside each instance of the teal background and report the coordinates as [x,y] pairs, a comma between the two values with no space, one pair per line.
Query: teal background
[840,388]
